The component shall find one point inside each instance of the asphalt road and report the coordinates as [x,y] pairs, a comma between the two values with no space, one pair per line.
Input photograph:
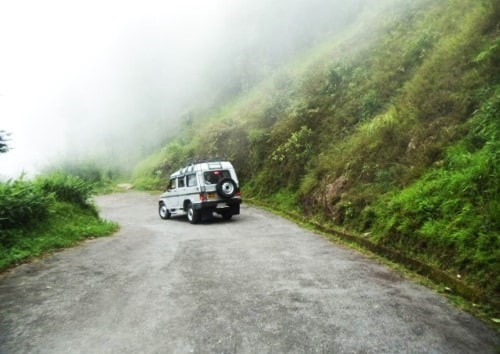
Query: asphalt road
[255,284]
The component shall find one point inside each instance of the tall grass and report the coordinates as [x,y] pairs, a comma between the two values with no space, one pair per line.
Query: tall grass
[49,212]
[101,175]
[67,188]
[450,215]
[22,202]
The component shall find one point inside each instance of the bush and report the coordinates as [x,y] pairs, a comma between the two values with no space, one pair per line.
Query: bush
[66,188]
[66,225]
[101,174]
[22,202]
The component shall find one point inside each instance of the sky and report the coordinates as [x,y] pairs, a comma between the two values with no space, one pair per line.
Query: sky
[113,77]
[60,55]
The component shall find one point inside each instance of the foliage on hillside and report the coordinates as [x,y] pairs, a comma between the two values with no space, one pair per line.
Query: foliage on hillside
[96,175]
[391,131]
[50,212]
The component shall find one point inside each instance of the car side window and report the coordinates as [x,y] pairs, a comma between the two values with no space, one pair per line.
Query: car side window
[191,180]
[180,182]
[171,184]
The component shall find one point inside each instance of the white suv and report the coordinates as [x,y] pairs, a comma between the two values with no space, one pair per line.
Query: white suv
[200,189]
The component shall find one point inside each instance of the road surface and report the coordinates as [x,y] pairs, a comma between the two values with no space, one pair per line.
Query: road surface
[255,284]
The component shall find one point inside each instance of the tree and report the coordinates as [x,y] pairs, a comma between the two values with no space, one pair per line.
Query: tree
[4,138]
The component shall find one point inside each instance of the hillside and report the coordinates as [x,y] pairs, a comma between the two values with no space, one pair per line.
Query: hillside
[389,130]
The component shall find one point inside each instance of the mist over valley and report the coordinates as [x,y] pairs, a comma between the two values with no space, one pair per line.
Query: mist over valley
[110,81]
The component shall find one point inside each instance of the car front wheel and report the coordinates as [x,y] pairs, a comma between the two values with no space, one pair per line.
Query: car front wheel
[164,212]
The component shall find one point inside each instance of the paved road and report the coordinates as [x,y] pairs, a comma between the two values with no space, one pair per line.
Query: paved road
[255,284]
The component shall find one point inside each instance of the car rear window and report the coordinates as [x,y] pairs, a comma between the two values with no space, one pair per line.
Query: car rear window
[213,177]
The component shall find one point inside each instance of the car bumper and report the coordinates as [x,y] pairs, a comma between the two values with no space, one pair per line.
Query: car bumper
[233,204]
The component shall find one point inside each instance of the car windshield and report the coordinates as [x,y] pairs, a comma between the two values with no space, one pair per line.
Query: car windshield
[213,177]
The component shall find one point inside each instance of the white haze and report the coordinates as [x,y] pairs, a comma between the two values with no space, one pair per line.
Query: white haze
[84,79]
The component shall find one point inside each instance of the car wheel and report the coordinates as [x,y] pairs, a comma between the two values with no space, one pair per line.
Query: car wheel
[227,215]
[192,214]
[164,212]
[226,188]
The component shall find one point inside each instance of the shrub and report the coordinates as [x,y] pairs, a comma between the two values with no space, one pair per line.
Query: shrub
[67,188]
[21,202]
[65,225]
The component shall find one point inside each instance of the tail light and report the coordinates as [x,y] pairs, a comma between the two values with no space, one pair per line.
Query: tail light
[203,197]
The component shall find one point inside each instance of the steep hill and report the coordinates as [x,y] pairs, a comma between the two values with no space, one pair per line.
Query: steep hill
[390,130]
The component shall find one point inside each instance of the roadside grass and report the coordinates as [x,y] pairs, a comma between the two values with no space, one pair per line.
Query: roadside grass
[46,214]
[449,217]
[67,225]
[100,176]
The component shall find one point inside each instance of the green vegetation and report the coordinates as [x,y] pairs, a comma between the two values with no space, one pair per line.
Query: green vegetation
[98,176]
[151,173]
[450,216]
[389,129]
[50,212]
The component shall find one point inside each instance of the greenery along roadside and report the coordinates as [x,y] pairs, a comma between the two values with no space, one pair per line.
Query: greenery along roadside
[396,141]
[454,208]
[45,214]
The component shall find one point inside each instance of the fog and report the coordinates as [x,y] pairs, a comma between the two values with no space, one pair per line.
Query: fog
[110,80]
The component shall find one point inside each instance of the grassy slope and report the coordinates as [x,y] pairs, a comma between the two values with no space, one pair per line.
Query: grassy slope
[391,132]
[67,225]
[48,213]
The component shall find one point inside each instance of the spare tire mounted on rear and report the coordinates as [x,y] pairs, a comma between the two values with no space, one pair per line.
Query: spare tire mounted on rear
[226,188]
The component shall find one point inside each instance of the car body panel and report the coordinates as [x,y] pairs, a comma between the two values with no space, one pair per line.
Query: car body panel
[208,187]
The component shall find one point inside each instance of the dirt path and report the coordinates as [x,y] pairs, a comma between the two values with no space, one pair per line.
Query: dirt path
[255,284]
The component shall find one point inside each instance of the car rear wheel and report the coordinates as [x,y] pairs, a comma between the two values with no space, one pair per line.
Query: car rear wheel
[192,214]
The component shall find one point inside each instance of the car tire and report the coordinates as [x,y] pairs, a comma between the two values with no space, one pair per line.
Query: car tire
[227,215]
[192,214]
[164,212]
[226,188]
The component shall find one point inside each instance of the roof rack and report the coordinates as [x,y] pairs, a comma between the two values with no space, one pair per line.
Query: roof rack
[214,159]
